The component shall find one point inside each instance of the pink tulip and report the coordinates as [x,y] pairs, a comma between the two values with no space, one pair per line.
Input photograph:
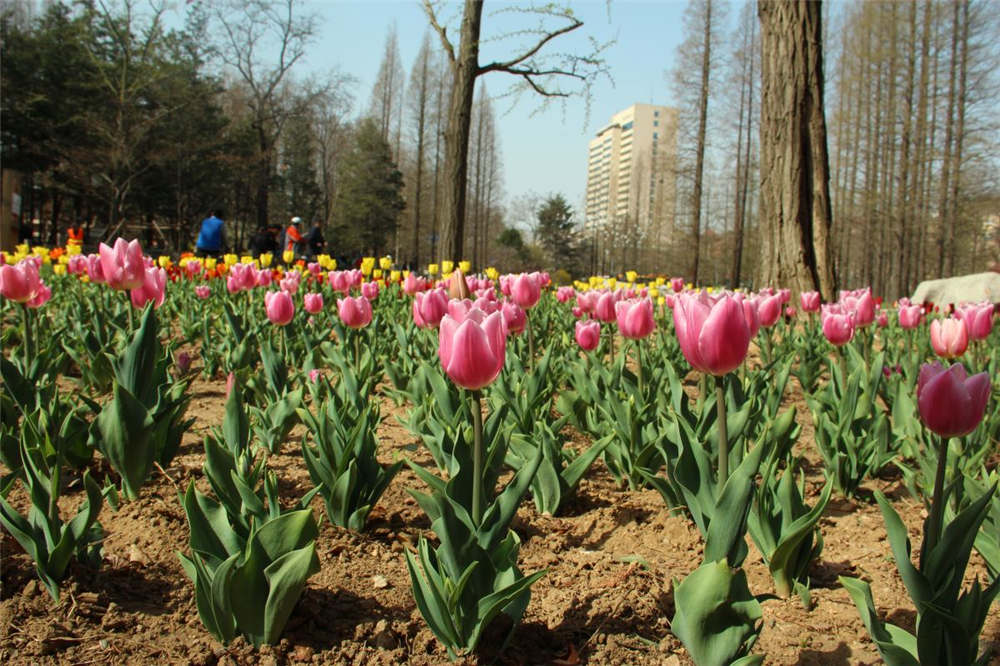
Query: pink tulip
[123,264]
[339,281]
[412,284]
[635,318]
[153,288]
[604,307]
[182,360]
[472,351]
[978,319]
[564,294]
[77,264]
[677,284]
[313,303]
[279,306]
[882,319]
[790,312]
[263,278]
[586,300]
[429,307]
[769,310]
[588,334]
[20,283]
[370,290]
[751,314]
[514,316]
[525,290]
[949,337]
[910,316]
[861,305]
[193,267]
[314,375]
[838,324]
[713,335]
[94,269]
[289,284]
[785,294]
[951,404]
[41,298]
[544,279]
[314,268]
[203,291]
[354,312]
[809,300]
[355,277]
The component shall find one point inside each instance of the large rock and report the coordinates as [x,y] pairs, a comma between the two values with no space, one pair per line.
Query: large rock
[973,288]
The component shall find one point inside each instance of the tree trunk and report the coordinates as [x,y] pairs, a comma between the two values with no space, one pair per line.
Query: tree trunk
[706,61]
[465,68]
[944,204]
[956,170]
[795,196]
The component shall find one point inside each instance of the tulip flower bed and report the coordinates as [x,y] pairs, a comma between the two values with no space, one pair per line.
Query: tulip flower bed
[237,462]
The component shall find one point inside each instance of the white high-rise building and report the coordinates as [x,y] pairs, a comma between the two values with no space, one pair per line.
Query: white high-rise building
[630,180]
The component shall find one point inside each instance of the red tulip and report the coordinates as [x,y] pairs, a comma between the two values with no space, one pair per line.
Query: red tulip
[354,312]
[949,337]
[951,404]
[635,318]
[588,334]
[279,307]
[123,264]
[473,350]
[713,335]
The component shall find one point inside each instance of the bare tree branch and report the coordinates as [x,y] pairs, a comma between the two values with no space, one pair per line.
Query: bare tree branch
[508,65]
[440,30]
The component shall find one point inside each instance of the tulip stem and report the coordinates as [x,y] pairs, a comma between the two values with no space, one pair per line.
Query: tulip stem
[29,342]
[531,340]
[131,317]
[720,406]
[933,530]
[843,372]
[357,352]
[638,369]
[477,458]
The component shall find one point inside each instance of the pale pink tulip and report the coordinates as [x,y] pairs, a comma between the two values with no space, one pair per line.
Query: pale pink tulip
[123,264]
[95,271]
[949,337]
[21,282]
[910,316]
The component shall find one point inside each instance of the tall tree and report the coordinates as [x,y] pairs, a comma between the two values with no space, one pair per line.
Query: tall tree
[558,234]
[386,102]
[795,194]
[420,107]
[369,199]
[262,40]
[544,75]
[699,168]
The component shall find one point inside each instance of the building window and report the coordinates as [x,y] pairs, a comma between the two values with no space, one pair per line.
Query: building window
[656,123]
[656,114]
[627,126]
[655,136]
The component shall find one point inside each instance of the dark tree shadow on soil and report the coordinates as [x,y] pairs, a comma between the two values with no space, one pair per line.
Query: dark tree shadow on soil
[324,619]
[149,589]
[824,573]
[839,656]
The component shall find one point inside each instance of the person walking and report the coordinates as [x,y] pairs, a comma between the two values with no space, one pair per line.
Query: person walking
[315,240]
[292,236]
[211,239]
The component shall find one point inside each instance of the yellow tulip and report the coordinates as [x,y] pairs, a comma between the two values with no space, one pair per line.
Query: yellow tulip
[385,263]
[288,256]
[229,259]
[64,259]
[447,267]
[660,281]
[394,276]
[266,259]
[465,266]
[631,276]
[59,269]
[73,248]
[210,263]
[367,266]
[432,269]
[163,261]
[21,249]
[246,259]
[492,273]
[377,274]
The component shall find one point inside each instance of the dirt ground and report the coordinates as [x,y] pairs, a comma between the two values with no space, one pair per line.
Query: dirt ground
[606,598]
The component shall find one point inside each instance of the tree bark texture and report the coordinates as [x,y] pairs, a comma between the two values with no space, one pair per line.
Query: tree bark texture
[795,195]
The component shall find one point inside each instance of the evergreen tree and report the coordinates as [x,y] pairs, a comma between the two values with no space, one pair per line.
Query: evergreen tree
[558,234]
[369,200]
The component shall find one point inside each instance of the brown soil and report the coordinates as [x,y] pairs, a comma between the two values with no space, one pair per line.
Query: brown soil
[606,599]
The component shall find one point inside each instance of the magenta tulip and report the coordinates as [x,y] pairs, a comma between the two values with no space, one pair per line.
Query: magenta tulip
[472,351]
[809,300]
[713,334]
[635,318]
[152,289]
[677,284]
[604,307]
[588,334]
[514,316]
[123,264]
[750,313]
[429,307]
[279,307]
[525,290]
[910,316]
[838,324]
[313,303]
[769,310]
[20,283]
[978,319]
[354,312]
[949,337]
[951,404]
[202,291]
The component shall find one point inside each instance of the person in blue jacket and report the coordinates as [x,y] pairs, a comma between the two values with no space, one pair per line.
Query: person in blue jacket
[211,240]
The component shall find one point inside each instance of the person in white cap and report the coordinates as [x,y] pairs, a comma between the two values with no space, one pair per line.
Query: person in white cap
[292,235]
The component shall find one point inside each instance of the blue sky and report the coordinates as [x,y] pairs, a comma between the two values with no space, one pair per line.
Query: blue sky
[542,151]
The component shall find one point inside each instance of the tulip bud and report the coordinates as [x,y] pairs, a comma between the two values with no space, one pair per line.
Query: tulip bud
[279,307]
